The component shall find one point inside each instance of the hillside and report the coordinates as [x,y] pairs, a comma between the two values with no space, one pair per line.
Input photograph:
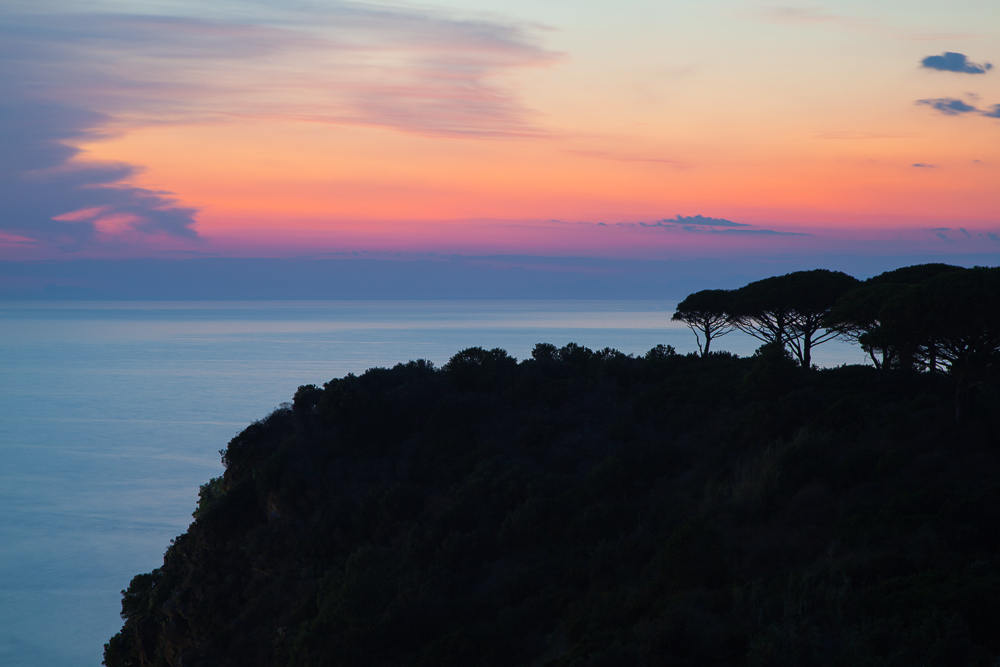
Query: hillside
[590,508]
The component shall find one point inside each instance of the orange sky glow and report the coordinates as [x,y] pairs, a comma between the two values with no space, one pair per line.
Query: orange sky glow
[474,129]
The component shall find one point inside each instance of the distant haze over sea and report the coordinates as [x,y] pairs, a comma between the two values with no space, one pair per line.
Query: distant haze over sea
[382,276]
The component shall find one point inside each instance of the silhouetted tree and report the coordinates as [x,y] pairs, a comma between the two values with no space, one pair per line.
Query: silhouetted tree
[545,352]
[660,352]
[933,317]
[574,353]
[475,365]
[959,323]
[882,316]
[913,275]
[761,309]
[859,317]
[706,313]
[773,373]
[791,309]
[479,357]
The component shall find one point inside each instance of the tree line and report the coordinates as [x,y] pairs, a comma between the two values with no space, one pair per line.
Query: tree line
[933,318]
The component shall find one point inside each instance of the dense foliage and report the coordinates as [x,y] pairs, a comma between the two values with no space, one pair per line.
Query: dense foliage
[587,508]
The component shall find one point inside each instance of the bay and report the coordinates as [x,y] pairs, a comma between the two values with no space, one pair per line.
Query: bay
[112,415]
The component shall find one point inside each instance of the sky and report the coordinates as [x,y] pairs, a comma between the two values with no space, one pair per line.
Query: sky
[629,129]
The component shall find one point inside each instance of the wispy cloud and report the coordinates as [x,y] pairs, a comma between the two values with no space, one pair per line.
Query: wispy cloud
[784,15]
[699,224]
[624,157]
[342,62]
[863,135]
[696,221]
[941,233]
[951,106]
[950,61]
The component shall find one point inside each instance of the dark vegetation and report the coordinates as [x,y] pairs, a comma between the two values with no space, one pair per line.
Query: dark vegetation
[586,508]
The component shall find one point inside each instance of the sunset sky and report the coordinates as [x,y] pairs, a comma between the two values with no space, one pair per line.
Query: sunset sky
[634,128]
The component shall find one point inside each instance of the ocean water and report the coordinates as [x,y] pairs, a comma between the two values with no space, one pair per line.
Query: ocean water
[113,413]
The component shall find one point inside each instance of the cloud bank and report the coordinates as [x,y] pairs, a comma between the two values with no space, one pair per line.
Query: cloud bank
[954,62]
[51,199]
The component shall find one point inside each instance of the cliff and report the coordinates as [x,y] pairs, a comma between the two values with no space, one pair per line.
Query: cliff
[589,508]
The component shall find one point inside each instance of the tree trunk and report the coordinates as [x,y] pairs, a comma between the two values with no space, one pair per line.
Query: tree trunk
[874,357]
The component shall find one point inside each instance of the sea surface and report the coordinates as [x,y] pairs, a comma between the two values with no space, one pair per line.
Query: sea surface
[113,413]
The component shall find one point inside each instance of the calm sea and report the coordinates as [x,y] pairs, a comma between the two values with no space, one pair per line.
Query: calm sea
[112,414]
